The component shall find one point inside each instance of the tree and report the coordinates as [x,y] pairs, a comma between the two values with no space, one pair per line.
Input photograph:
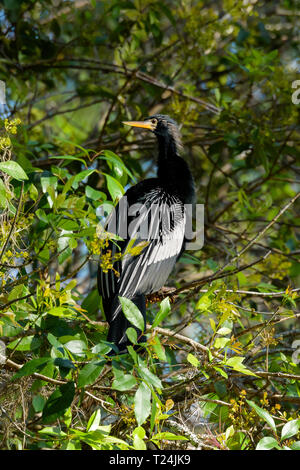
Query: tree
[222,348]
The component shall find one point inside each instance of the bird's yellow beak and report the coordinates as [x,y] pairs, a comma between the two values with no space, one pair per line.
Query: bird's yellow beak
[143,124]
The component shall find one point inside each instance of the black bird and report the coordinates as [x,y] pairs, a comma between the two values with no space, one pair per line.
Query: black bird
[159,228]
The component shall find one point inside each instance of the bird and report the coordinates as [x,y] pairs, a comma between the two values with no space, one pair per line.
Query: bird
[154,211]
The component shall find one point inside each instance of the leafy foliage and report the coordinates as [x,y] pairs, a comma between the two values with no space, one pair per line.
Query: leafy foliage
[220,368]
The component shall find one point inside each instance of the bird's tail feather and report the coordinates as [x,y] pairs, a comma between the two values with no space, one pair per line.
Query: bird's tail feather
[119,323]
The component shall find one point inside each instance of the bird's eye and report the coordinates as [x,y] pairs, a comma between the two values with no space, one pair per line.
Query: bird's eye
[154,121]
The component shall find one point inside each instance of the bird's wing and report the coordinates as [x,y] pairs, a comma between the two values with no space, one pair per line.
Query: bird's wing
[148,271]
[157,235]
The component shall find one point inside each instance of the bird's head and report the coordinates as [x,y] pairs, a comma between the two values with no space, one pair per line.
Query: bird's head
[162,126]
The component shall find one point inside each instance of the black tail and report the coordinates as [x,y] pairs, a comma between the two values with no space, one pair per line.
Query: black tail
[118,326]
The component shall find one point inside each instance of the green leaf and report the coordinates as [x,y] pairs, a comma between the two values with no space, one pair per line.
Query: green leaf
[158,348]
[221,372]
[32,366]
[138,438]
[115,189]
[64,365]
[2,194]
[131,335]
[208,407]
[264,287]
[89,373]
[94,421]
[54,342]
[17,292]
[164,310]
[54,431]
[263,414]
[142,403]
[224,331]
[115,160]
[295,445]
[76,346]
[290,429]
[61,312]
[27,343]
[41,214]
[148,376]
[132,313]
[94,194]
[124,382]
[68,225]
[221,343]
[14,170]
[267,443]
[81,176]
[68,157]
[38,403]
[212,324]
[236,363]
[58,402]
[193,360]
[204,302]
[48,182]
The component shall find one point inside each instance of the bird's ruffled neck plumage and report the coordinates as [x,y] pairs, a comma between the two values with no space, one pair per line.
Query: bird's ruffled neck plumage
[172,170]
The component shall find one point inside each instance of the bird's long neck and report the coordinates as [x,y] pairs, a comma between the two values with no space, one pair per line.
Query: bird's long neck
[167,148]
[172,171]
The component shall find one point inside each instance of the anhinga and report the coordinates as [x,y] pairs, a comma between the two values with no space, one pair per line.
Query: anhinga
[161,202]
